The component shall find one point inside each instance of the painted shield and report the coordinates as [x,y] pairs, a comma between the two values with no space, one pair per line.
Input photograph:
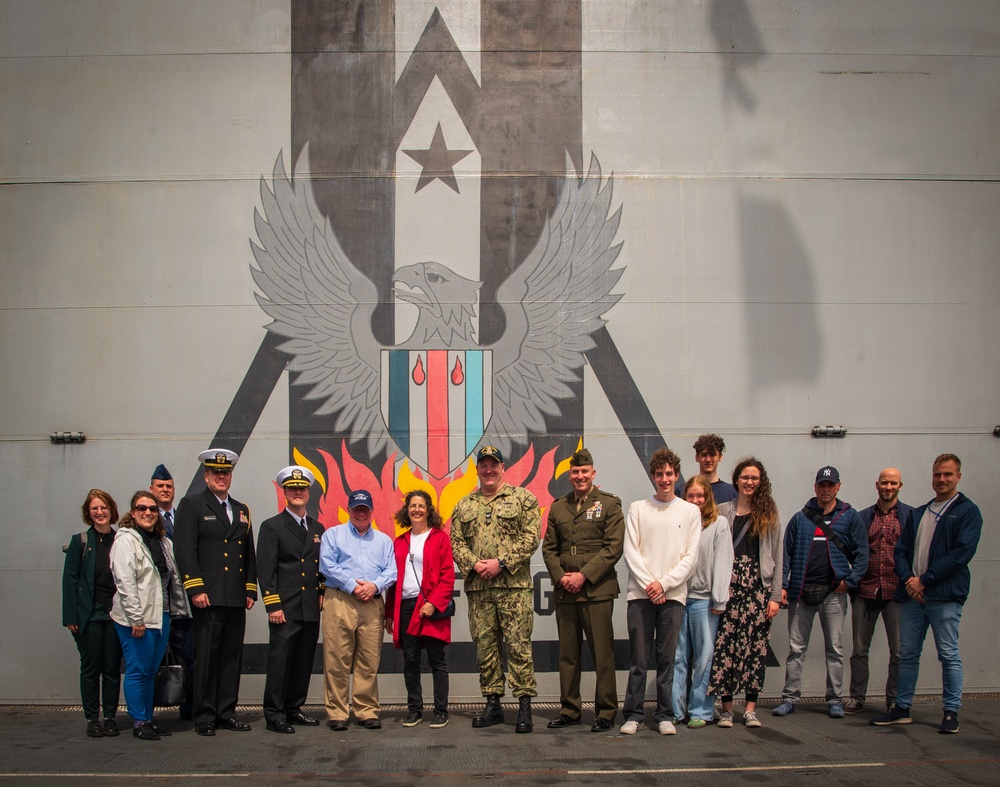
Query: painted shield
[437,404]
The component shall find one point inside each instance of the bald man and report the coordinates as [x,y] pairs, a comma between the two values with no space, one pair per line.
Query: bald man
[874,597]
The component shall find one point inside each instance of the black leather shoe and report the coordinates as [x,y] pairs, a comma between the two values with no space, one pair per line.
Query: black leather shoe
[233,724]
[280,726]
[370,724]
[145,732]
[492,713]
[206,728]
[301,718]
[562,720]
[337,725]
[163,732]
[94,729]
[524,715]
[603,725]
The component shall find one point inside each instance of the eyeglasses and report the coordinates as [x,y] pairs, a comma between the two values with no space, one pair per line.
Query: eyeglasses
[98,509]
[749,479]
[143,509]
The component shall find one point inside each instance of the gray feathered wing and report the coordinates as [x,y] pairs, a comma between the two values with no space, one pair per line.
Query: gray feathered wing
[321,302]
[553,302]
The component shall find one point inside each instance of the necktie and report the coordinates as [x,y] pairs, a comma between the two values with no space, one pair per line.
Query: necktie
[169,516]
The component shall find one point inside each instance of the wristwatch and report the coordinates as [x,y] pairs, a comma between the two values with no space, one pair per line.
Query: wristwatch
[503,564]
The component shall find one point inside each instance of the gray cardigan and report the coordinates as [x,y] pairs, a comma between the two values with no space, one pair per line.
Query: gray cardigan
[714,569]
[771,552]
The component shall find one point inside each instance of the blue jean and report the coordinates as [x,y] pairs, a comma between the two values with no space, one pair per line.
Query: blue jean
[695,648]
[143,656]
[943,618]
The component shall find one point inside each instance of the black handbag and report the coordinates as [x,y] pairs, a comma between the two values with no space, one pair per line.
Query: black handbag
[447,612]
[171,682]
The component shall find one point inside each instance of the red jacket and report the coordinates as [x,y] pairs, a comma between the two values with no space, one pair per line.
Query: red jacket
[436,586]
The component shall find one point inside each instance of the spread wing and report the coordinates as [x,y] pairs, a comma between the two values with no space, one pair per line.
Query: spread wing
[553,302]
[320,302]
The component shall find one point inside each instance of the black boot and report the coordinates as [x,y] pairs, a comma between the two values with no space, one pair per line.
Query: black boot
[524,715]
[492,713]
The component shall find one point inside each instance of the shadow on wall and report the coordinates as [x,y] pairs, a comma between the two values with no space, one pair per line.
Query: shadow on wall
[740,45]
[780,298]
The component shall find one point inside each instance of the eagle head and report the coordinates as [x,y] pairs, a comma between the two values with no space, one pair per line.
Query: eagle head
[446,303]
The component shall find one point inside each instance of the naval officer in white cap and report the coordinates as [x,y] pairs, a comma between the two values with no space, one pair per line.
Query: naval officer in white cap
[213,540]
[291,588]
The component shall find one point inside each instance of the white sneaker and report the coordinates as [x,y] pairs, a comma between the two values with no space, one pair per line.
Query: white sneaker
[667,728]
[629,728]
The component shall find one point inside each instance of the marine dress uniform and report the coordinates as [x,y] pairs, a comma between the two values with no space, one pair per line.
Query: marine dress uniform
[586,536]
[290,582]
[216,556]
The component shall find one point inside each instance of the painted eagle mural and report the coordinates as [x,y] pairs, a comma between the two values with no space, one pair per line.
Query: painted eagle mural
[497,394]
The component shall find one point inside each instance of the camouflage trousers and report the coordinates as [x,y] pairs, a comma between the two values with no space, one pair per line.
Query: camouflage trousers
[498,617]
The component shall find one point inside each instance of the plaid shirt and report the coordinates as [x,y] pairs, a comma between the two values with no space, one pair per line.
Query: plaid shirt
[883,533]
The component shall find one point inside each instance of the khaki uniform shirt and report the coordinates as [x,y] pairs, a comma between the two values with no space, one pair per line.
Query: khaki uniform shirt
[589,541]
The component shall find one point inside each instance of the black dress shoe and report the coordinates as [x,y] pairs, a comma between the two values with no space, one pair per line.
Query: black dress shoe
[206,728]
[94,729]
[337,725]
[301,718]
[370,724]
[602,725]
[233,724]
[145,732]
[161,731]
[280,726]
[562,720]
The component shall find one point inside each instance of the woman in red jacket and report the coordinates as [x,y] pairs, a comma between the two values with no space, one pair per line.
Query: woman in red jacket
[420,603]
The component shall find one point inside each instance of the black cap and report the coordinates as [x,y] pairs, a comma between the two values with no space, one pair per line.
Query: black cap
[489,452]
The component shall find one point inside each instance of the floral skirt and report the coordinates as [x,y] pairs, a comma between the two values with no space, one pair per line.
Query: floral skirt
[740,659]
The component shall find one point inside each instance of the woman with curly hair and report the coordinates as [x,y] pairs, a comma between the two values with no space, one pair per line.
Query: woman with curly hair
[149,590]
[740,659]
[425,581]
[88,588]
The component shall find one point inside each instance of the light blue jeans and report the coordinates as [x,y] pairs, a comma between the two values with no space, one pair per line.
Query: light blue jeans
[943,618]
[142,660]
[695,648]
[832,615]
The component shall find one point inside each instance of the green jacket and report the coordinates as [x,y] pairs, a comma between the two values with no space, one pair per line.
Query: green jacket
[590,541]
[78,580]
[506,527]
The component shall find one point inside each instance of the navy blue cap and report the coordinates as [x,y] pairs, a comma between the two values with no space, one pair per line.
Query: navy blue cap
[161,474]
[359,497]
[827,473]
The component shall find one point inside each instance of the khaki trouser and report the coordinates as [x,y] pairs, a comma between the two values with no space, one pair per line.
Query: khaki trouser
[352,640]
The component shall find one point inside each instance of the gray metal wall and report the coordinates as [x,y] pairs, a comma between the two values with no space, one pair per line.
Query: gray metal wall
[809,228]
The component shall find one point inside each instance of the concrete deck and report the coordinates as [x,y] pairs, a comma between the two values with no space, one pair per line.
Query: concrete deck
[47,745]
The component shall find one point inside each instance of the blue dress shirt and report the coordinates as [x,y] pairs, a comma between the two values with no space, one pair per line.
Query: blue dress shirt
[346,556]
